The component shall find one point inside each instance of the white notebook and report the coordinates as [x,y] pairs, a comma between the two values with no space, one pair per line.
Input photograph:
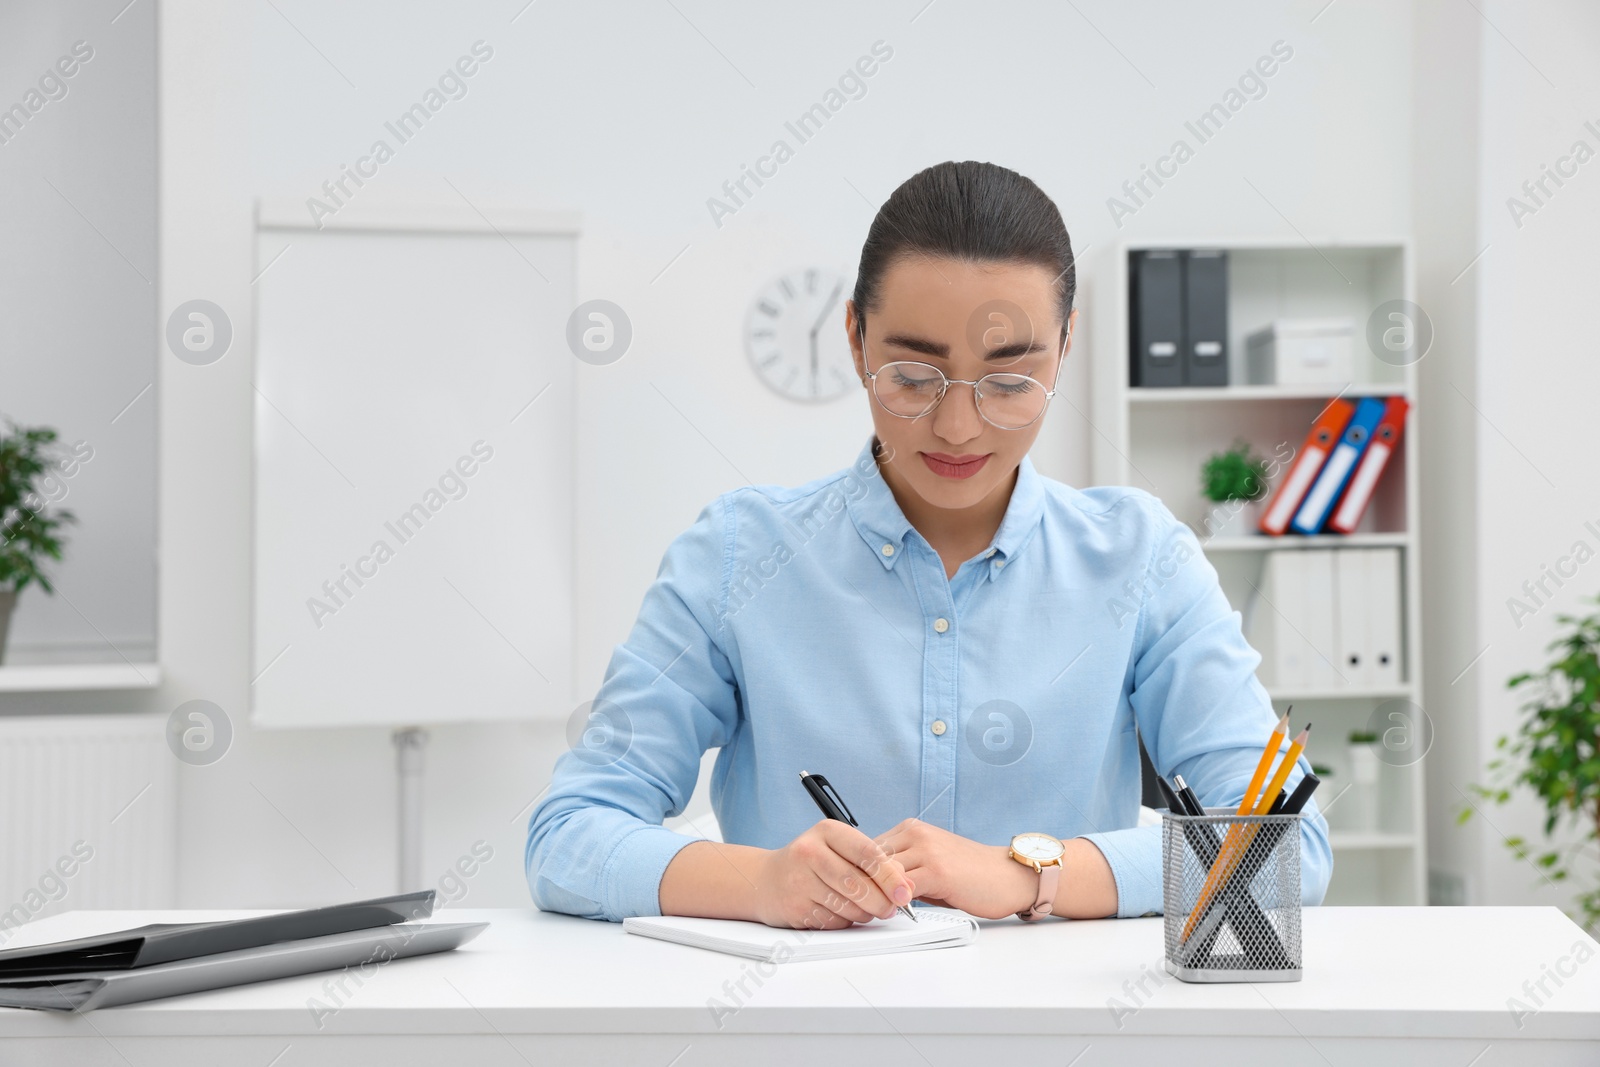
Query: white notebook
[934,928]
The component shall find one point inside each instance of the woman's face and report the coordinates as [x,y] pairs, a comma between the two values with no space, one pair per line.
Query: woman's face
[953,315]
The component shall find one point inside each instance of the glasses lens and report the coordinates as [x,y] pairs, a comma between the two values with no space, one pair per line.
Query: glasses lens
[1011,400]
[908,389]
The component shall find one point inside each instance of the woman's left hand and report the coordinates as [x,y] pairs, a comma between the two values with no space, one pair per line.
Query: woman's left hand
[951,871]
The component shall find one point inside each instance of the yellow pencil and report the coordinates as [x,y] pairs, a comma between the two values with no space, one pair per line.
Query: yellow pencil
[1275,786]
[1228,858]
[1230,840]
[1279,732]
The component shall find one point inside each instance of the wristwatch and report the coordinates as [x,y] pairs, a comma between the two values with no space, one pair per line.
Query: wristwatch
[1043,853]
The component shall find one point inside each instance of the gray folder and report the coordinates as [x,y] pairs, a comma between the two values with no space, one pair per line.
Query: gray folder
[1155,327]
[1205,317]
[165,942]
[84,991]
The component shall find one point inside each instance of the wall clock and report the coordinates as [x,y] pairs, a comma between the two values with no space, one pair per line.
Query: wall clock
[795,337]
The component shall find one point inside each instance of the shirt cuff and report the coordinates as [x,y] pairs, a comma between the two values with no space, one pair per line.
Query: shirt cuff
[1134,856]
[632,875]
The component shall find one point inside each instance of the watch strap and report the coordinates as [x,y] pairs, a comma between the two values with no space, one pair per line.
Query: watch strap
[1049,880]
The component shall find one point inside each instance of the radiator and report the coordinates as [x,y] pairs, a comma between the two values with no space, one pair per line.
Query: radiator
[87,815]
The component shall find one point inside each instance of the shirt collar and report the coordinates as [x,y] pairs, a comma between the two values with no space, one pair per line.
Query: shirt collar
[883,526]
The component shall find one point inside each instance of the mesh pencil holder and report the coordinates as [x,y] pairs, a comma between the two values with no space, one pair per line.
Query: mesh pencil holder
[1231,896]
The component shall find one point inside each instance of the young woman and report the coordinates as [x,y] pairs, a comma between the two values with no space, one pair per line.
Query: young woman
[962,646]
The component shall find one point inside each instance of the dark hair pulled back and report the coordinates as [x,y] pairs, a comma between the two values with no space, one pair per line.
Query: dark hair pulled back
[978,212]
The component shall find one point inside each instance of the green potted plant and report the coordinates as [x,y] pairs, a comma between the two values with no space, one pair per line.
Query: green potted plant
[1234,481]
[1556,753]
[27,530]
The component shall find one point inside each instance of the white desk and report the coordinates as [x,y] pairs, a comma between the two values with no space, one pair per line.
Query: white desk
[1382,985]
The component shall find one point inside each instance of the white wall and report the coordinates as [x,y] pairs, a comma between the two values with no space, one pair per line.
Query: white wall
[635,119]
[1446,180]
[633,116]
[1519,393]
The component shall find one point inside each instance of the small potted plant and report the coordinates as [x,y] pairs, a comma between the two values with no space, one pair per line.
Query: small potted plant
[27,531]
[1233,481]
[1556,754]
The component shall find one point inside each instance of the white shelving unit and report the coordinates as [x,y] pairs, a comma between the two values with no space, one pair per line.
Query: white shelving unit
[1235,393]
[1157,439]
[77,677]
[1355,540]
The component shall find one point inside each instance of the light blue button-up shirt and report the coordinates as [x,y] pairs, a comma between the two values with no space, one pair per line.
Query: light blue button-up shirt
[813,628]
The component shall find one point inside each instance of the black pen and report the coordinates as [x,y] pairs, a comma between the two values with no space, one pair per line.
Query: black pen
[1174,802]
[1187,796]
[1302,793]
[833,807]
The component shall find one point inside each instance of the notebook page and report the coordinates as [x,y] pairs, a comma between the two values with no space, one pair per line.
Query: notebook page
[935,928]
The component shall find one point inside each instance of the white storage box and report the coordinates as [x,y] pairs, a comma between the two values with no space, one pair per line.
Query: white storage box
[1301,352]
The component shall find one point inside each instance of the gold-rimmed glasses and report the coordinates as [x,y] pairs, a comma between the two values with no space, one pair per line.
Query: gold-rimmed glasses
[909,389]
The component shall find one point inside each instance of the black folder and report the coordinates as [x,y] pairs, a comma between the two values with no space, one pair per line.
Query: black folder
[158,943]
[1205,317]
[1155,329]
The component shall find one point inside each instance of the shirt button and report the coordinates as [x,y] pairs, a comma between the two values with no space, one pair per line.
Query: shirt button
[888,550]
[941,625]
[999,563]
[937,727]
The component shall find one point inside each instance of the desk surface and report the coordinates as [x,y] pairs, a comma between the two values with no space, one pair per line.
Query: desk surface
[1428,973]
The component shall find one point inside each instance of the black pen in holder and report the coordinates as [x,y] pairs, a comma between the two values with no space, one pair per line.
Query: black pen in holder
[1249,928]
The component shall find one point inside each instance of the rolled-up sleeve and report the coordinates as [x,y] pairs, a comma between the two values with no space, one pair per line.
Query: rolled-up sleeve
[1200,709]
[596,844]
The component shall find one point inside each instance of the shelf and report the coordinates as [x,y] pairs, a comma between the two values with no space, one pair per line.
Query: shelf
[1383,242]
[71,677]
[1186,394]
[1264,543]
[1401,692]
[1159,438]
[1369,839]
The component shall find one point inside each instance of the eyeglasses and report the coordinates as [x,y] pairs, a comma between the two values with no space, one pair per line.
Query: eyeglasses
[909,390]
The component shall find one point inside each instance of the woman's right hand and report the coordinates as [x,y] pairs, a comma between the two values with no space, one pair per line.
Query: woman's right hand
[829,877]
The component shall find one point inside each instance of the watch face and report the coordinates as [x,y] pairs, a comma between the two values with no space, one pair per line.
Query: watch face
[1040,848]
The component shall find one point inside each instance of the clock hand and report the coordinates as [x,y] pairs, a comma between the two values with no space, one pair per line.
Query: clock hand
[827,309]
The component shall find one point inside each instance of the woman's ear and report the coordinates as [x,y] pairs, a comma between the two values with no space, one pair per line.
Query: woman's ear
[1072,321]
[853,330]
